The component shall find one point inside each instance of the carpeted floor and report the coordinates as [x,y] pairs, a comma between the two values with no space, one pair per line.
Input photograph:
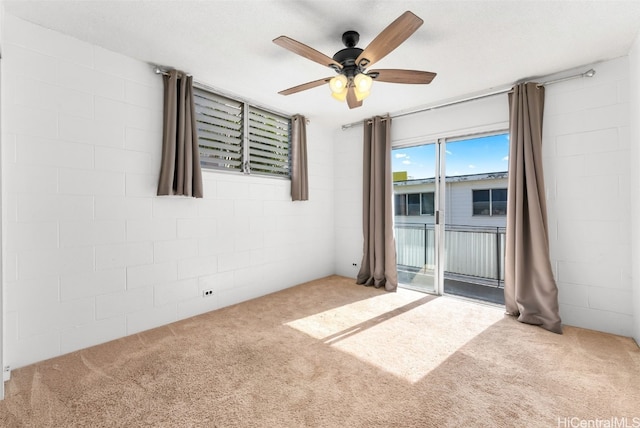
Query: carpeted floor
[330,353]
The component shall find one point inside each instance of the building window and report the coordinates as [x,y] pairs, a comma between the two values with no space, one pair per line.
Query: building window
[400,204]
[428,205]
[414,204]
[236,136]
[490,202]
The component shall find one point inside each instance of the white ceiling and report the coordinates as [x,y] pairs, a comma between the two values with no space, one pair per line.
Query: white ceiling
[472,45]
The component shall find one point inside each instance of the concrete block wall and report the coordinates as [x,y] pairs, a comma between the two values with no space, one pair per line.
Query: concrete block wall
[348,201]
[586,149]
[91,254]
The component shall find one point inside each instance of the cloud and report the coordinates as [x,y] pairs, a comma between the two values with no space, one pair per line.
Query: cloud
[401,155]
[472,166]
[506,158]
[448,152]
[406,162]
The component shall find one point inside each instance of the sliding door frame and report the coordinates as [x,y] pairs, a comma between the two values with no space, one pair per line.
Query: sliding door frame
[440,204]
[440,187]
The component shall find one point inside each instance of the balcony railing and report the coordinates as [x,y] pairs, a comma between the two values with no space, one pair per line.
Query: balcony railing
[473,254]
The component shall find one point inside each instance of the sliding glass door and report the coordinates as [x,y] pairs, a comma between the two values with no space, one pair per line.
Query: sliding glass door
[416,204]
[450,215]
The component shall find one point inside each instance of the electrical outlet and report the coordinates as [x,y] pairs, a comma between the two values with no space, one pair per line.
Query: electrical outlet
[354,264]
[6,374]
[207,293]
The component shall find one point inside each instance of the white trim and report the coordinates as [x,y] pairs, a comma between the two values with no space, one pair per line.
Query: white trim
[2,311]
[454,135]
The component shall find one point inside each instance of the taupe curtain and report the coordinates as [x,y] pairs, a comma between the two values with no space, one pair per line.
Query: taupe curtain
[299,178]
[180,172]
[530,290]
[378,267]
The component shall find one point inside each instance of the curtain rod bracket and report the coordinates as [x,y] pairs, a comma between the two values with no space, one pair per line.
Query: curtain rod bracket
[164,71]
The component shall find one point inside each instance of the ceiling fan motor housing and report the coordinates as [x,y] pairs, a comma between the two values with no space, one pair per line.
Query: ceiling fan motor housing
[347,57]
[350,38]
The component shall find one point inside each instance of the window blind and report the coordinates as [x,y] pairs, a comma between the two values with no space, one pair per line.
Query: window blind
[220,130]
[268,143]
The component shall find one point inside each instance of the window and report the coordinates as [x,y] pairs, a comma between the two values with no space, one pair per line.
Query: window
[414,204]
[236,136]
[220,138]
[428,205]
[268,143]
[490,202]
[400,204]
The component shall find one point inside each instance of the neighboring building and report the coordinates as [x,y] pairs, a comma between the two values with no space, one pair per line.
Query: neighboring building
[471,200]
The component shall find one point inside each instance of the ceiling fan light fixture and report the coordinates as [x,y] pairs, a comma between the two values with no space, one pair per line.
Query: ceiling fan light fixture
[363,82]
[338,84]
[362,86]
[361,95]
[340,96]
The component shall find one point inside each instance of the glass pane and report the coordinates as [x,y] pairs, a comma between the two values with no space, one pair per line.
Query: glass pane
[414,163]
[481,204]
[400,204]
[499,202]
[476,182]
[475,156]
[413,182]
[413,203]
[427,203]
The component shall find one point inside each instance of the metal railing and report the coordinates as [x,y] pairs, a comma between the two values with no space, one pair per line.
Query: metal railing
[472,253]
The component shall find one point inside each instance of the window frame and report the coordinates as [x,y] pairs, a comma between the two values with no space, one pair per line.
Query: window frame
[402,200]
[246,141]
[491,200]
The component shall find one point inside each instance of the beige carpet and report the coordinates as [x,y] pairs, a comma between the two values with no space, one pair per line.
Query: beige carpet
[330,353]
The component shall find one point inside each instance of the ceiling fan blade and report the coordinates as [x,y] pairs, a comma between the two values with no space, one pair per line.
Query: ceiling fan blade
[306,51]
[352,101]
[305,86]
[402,76]
[389,39]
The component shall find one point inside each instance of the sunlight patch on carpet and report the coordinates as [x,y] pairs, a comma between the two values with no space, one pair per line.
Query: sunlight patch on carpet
[407,333]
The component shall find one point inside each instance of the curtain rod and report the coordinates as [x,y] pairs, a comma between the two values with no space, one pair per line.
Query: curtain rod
[165,72]
[589,73]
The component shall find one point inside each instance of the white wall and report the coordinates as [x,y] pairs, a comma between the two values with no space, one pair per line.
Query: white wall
[347,149]
[586,151]
[586,158]
[634,73]
[91,253]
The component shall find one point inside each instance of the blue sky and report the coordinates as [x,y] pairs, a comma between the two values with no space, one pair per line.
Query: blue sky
[472,156]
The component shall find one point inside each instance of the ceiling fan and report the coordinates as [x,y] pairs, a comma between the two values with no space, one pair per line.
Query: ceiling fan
[353,81]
